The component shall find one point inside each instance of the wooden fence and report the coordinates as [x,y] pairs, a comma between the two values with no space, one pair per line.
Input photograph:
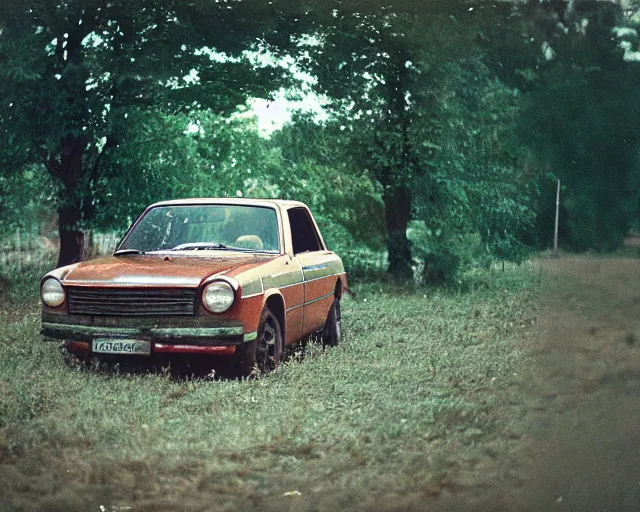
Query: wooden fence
[23,250]
[101,243]
[364,261]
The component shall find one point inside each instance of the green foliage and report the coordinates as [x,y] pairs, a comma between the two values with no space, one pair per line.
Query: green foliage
[441,265]
[366,65]
[450,116]
[479,182]
[425,118]
[26,200]
[73,71]
[580,119]
[319,169]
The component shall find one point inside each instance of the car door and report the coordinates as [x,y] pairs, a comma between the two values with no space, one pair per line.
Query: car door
[317,269]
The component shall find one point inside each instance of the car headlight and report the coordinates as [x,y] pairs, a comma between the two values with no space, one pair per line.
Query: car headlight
[218,296]
[52,293]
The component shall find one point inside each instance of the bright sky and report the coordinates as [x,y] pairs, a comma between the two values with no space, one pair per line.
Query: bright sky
[273,114]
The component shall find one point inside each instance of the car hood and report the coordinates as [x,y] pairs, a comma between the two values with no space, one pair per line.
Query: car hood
[156,269]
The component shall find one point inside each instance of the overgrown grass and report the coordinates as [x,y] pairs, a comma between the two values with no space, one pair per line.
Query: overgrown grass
[392,414]
[20,284]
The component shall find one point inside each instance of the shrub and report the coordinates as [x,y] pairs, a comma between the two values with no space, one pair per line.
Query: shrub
[441,265]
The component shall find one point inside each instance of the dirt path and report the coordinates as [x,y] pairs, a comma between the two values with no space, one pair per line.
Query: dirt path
[576,409]
[588,386]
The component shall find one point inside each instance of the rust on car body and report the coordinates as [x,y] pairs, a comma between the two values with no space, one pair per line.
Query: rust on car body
[196,276]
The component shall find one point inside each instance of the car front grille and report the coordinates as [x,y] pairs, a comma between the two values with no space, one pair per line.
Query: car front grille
[131,301]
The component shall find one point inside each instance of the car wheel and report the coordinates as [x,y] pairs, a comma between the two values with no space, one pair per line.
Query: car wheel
[263,354]
[332,330]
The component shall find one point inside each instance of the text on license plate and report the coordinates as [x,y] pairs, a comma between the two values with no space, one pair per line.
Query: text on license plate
[119,346]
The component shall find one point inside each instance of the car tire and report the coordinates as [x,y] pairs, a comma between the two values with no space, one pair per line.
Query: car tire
[332,331]
[263,354]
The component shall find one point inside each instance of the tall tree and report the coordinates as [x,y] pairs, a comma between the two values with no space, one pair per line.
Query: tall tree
[401,82]
[73,70]
[369,63]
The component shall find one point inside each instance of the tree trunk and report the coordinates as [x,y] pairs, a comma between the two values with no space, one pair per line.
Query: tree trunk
[397,207]
[68,168]
[71,238]
[395,180]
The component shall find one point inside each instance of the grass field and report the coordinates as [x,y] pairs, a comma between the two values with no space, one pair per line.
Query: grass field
[392,418]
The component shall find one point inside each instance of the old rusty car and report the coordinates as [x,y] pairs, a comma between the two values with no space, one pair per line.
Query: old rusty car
[241,278]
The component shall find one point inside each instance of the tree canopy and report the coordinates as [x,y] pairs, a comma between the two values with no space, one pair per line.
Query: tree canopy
[446,123]
[73,71]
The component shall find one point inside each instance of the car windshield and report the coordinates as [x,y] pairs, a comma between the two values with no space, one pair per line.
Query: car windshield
[204,227]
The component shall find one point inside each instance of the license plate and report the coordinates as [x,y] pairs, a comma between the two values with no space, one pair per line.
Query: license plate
[120,346]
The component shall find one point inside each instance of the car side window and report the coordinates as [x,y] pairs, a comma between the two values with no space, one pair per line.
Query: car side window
[303,233]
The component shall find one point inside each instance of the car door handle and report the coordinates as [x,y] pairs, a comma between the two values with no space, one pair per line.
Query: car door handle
[315,267]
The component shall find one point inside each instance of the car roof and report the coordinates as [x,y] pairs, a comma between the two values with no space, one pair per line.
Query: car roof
[284,204]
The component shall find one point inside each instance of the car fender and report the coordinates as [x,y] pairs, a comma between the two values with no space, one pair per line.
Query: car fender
[280,310]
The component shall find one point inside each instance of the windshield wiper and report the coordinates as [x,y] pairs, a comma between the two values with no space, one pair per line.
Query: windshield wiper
[198,246]
[124,252]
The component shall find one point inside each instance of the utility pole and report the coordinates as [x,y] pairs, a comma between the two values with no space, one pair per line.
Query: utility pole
[555,231]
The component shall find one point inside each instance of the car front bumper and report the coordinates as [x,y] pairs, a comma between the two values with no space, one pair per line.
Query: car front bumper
[184,339]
